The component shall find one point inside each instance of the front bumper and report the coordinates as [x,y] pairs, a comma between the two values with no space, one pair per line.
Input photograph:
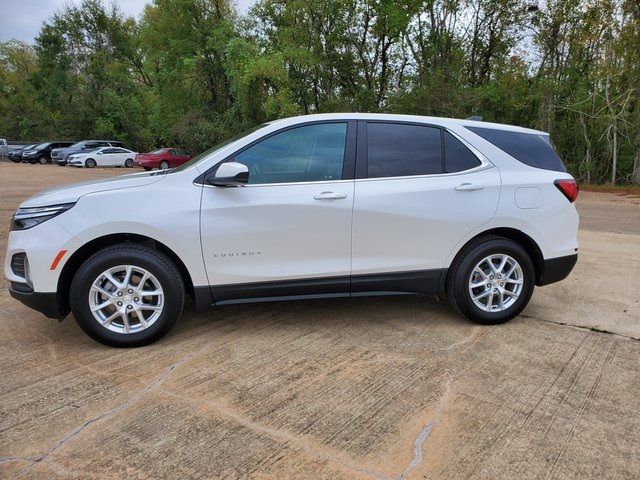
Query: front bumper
[556,269]
[46,303]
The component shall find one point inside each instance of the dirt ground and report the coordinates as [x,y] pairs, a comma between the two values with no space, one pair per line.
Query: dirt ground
[384,388]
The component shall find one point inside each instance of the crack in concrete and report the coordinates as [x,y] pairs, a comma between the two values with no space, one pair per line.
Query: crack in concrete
[417,451]
[318,451]
[583,327]
[104,415]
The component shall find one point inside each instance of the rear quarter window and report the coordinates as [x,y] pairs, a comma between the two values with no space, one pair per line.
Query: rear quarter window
[529,148]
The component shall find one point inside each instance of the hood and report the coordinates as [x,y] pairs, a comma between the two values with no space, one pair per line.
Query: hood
[71,193]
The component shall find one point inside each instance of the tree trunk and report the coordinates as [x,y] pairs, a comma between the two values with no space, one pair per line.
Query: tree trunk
[614,164]
[635,175]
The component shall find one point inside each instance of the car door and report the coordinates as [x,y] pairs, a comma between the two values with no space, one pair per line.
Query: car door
[120,155]
[418,192]
[288,231]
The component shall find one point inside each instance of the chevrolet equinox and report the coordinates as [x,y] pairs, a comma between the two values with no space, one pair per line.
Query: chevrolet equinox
[319,206]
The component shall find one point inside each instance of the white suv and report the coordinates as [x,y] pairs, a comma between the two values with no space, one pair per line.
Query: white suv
[319,206]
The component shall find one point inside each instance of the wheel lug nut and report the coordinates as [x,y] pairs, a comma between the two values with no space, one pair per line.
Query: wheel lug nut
[119,294]
[129,307]
[502,284]
[136,299]
[119,304]
[130,291]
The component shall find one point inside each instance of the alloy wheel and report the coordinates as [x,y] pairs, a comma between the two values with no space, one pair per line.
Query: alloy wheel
[496,283]
[126,299]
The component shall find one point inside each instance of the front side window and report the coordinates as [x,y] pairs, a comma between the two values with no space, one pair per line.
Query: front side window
[309,153]
[458,157]
[398,150]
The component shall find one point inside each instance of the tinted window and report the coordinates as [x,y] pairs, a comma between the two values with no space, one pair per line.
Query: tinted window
[530,149]
[119,150]
[457,157]
[89,146]
[303,154]
[117,144]
[396,150]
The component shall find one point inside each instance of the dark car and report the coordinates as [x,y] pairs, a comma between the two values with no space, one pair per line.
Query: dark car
[42,153]
[15,155]
[162,158]
[60,155]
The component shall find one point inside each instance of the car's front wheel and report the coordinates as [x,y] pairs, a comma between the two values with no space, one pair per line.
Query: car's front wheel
[43,160]
[492,280]
[90,163]
[127,295]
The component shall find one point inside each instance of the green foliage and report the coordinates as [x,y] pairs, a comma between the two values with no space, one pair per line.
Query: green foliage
[193,72]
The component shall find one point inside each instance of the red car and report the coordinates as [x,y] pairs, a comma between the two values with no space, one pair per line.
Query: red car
[162,158]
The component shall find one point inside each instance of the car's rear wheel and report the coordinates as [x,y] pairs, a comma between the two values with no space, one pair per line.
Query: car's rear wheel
[90,163]
[492,280]
[164,165]
[43,160]
[128,162]
[127,295]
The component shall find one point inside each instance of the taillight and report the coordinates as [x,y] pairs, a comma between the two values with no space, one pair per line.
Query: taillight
[569,188]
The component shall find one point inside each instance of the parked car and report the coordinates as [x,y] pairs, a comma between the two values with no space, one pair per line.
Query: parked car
[103,157]
[42,153]
[321,206]
[15,155]
[60,155]
[4,148]
[162,158]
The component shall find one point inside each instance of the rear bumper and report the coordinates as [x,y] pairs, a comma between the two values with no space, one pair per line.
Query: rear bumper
[46,303]
[556,269]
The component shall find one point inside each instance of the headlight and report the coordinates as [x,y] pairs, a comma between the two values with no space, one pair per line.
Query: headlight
[71,157]
[25,218]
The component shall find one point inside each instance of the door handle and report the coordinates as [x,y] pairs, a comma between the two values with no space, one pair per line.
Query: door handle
[469,187]
[330,196]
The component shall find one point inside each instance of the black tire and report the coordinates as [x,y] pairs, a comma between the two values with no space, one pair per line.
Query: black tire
[128,162]
[155,262]
[43,160]
[164,165]
[461,271]
[90,163]
[147,168]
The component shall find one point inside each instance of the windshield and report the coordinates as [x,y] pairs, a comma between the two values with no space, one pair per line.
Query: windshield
[219,146]
[160,150]
[41,146]
[29,147]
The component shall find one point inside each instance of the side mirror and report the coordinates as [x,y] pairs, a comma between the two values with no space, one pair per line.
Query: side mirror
[99,153]
[230,174]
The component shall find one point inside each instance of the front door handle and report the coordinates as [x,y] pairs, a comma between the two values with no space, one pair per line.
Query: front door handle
[330,196]
[469,187]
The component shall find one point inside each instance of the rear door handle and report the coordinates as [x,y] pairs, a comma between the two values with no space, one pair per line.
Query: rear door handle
[330,196]
[469,187]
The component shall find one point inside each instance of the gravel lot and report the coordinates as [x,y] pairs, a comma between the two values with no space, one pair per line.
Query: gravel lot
[385,388]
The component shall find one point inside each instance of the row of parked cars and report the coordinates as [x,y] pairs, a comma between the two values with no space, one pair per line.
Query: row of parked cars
[98,153]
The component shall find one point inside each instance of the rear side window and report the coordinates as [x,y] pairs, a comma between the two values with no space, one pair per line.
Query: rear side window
[458,158]
[398,150]
[530,149]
